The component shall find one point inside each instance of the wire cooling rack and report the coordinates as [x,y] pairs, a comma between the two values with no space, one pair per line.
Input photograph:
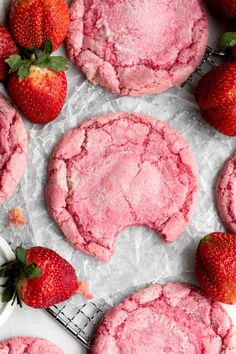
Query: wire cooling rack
[211,59]
[82,322]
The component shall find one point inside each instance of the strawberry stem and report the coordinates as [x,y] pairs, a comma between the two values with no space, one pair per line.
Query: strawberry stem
[228,43]
[228,39]
[33,57]
[22,64]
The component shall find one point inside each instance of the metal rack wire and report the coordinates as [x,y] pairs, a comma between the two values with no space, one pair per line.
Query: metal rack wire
[211,59]
[82,322]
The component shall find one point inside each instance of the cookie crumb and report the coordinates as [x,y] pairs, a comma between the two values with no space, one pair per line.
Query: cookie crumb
[83,289]
[15,217]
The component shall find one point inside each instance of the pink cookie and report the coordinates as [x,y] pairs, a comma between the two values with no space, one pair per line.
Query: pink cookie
[137,47]
[173,318]
[116,171]
[226,194]
[13,148]
[28,345]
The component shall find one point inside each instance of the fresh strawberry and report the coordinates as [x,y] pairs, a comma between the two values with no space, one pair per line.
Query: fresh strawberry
[7,48]
[38,85]
[32,22]
[40,278]
[216,96]
[40,95]
[227,7]
[216,266]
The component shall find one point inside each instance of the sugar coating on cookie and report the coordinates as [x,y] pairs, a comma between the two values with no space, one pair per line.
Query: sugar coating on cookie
[137,47]
[171,318]
[28,345]
[13,148]
[116,171]
[226,194]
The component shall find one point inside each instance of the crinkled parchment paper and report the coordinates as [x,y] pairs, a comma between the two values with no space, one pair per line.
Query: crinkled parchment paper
[140,255]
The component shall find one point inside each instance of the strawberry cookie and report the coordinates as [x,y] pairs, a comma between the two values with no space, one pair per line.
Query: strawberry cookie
[13,148]
[28,345]
[226,194]
[116,171]
[172,318]
[137,47]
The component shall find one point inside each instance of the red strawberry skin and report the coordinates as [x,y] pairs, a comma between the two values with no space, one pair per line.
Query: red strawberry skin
[227,7]
[215,266]
[40,95]
[7,48]
[57,283]
[32,22]
[216,96]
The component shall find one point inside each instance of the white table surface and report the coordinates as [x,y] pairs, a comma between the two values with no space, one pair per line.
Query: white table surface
[29,322]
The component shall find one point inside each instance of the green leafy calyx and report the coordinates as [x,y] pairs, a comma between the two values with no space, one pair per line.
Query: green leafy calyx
[228,39]
[16,271]
[22,63]
[206,239]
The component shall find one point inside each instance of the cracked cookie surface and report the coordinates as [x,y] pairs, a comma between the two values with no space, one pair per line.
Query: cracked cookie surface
[28,345]
[116,171]
[13,148]
[137,47]
[226,194]
[171,318]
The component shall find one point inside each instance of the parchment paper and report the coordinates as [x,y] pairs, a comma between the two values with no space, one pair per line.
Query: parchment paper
[140,256]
